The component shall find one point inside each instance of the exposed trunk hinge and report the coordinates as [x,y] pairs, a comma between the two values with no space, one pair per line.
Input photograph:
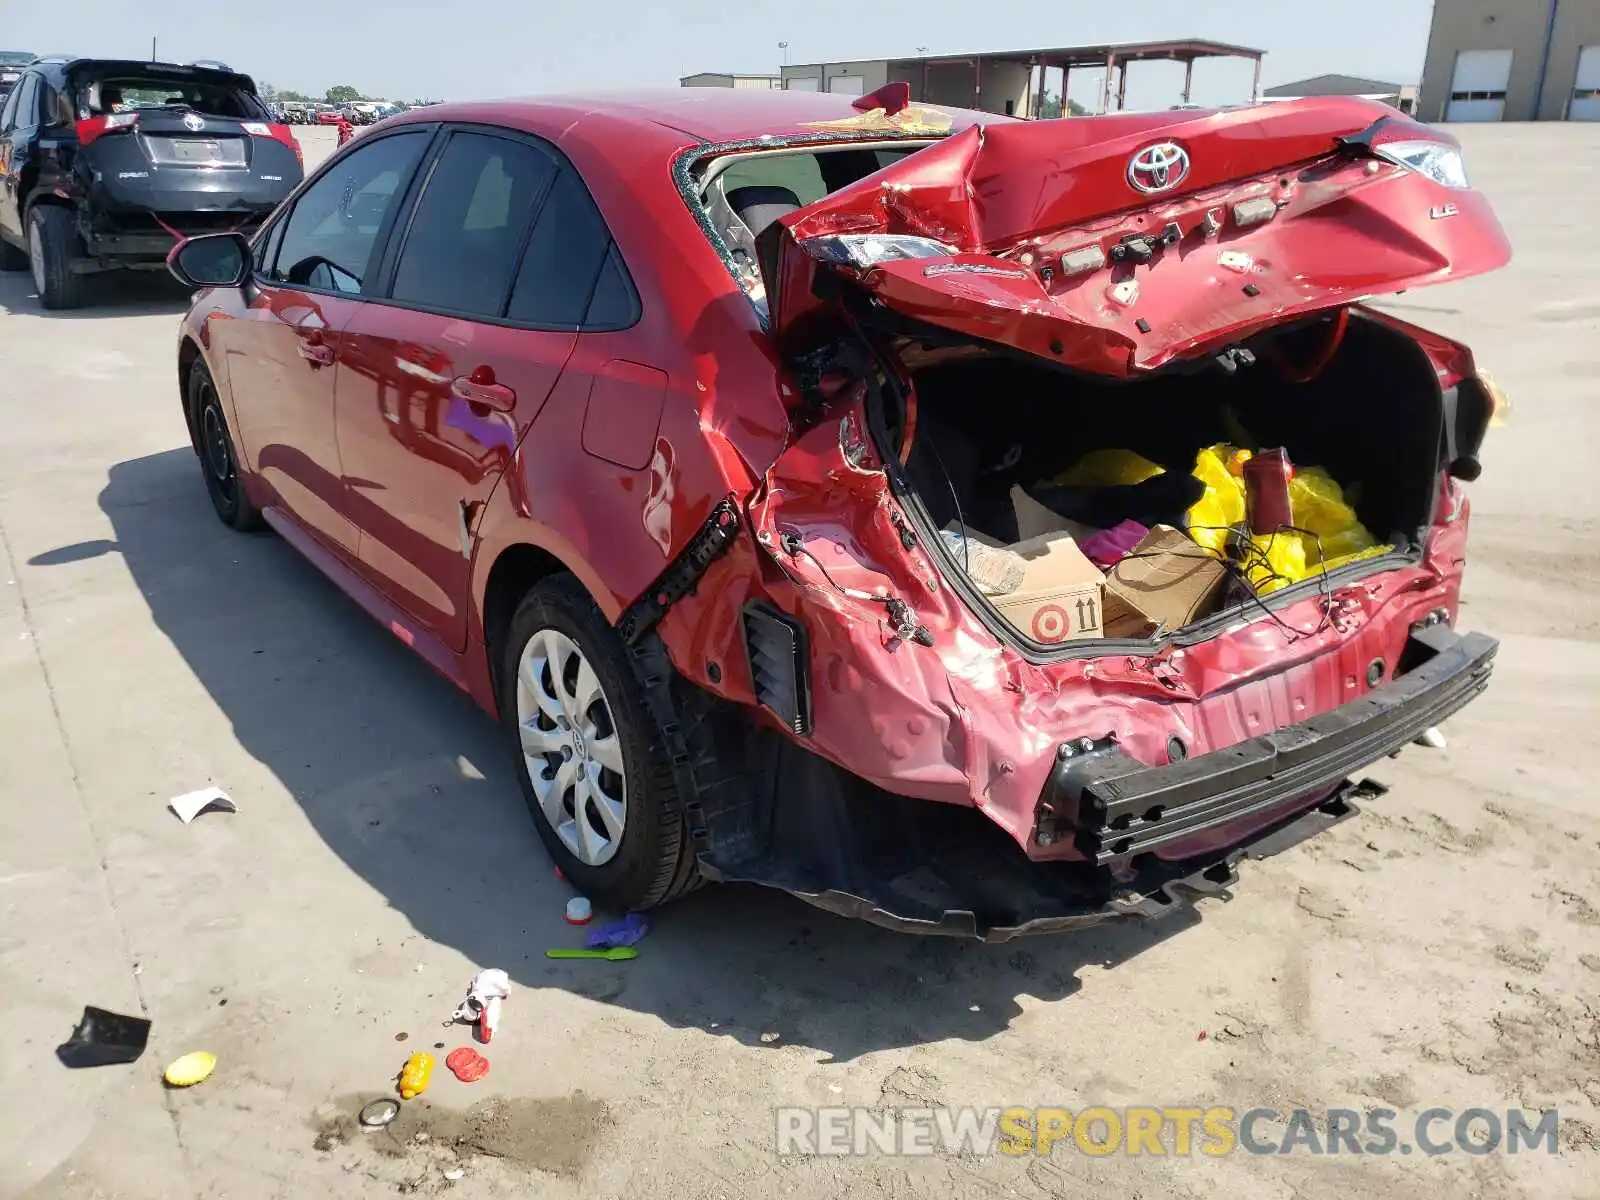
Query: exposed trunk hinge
[709,543]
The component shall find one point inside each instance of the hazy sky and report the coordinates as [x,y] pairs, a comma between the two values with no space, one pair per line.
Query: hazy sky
[409,48]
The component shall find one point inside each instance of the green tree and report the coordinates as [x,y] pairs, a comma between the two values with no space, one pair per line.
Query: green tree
[1051,108]
[342,94]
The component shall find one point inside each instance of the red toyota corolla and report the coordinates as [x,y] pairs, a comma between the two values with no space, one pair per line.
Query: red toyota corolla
[972,525]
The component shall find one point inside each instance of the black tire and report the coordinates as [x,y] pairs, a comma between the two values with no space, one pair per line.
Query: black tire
[654,859]
[219,464]
[11,258]
[58,286]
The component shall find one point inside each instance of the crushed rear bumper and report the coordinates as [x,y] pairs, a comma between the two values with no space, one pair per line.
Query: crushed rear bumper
[1114,807]
[1153,839]
[140,241]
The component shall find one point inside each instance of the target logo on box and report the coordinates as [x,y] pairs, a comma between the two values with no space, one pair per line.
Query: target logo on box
[1059,599]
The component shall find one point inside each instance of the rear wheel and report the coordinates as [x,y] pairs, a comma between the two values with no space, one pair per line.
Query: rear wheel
[52,247]
[219,464]
[591,758]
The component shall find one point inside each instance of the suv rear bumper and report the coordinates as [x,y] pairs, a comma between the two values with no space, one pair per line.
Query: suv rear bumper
[109,249]
[1114,807]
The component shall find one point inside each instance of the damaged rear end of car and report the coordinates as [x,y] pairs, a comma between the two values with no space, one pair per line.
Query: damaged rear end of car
[1114,534]
[167,151]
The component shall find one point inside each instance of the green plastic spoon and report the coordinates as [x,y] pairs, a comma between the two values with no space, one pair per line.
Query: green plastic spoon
[614,954]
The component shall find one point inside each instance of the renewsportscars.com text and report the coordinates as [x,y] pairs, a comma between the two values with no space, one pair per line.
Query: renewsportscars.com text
[1166,1131]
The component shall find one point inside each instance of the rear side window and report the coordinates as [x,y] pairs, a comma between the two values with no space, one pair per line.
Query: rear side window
[569,262]
[470,223]
[56,109]
[329,237]
[9,112]
[23,107]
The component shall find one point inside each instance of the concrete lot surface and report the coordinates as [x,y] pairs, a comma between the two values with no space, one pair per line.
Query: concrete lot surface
[1442,950]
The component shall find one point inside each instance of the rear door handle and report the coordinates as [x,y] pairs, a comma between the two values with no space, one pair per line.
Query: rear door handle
[314,350]
[481,389]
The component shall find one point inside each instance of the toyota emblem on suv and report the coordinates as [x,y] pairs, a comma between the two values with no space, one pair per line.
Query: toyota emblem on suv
[195,124]
[1158,168]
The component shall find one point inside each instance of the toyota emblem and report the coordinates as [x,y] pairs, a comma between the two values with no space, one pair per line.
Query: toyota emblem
[1158,168]
[196,124]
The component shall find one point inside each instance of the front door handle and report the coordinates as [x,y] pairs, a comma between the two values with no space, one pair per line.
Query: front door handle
[481,389]
[314,350]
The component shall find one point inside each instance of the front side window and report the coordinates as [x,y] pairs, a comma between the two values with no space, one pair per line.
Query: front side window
[470,223]
[266,247]
[329,238]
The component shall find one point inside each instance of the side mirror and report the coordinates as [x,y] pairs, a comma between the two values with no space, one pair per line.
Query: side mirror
[211,260]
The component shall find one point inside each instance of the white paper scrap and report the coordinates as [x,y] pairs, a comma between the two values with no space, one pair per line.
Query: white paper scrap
[191,804]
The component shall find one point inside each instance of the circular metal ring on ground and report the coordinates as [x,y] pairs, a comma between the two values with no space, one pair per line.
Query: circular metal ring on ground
[379,1113]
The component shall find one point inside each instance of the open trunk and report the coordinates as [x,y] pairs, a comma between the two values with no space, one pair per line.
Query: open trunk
[978,425]
[1172,295]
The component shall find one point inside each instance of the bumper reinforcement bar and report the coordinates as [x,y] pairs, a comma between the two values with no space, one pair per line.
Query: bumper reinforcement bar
[1114,807]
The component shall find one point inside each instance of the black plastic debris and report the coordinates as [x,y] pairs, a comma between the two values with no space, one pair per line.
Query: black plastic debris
[103,1038]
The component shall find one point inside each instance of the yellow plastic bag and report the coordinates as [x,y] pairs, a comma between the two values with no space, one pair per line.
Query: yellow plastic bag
[1223,503]
[1323,521]
[1281,561]
[1109,468]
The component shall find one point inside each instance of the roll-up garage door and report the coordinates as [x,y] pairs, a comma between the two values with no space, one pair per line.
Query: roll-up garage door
[1478,88]
[1586,88]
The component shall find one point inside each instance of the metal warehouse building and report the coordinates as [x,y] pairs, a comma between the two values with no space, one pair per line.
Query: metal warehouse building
[726,79]
[1512,60]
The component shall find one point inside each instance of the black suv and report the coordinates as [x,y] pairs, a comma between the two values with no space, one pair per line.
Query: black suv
[106,164]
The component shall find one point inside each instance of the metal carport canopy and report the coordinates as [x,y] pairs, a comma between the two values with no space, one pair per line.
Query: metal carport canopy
[1111,56]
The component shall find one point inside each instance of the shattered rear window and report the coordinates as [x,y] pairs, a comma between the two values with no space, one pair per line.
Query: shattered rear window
[741,192]
[144,91]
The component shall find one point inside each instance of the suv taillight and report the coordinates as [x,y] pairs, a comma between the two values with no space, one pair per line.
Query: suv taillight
[278,133]
[93,127]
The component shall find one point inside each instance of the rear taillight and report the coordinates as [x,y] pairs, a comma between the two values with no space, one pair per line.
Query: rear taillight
[94,127]
[278,133]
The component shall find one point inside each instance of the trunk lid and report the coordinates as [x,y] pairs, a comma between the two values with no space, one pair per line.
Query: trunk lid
[1118,244]
[179,138]
[173,137]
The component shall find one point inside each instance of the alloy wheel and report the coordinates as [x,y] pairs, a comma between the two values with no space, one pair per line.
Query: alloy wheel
[570,745]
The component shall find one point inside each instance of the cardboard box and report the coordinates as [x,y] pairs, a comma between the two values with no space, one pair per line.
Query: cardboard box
[1035,520]
[1060,597]
[1167,581]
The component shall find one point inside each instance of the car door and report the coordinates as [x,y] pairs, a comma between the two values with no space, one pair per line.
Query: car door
[283,352]
[19,126]
[487,290]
